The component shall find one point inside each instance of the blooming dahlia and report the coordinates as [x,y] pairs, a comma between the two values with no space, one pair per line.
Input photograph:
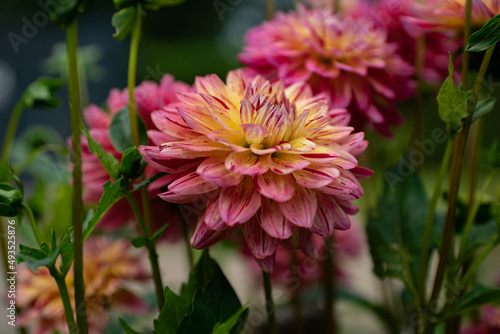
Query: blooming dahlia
[108,265]
[449,15]
[149,97]
[349,60]
[277,162]
[389,14]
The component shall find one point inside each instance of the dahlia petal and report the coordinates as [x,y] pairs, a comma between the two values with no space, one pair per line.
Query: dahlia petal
[238,204]
[246,163]
[171,197]
[214,171]
[260,243]
[298,91]
[204,237]
[361,172]
[191,183]
[316,176]
[247,112]
[201,144]
[199,120]
[273,221]
[212,219]
[342,221]
[158,138]
[257,148]
[324,221]
[176,151]
[301,208]
[229,137]
[362,92]
[321,154]
[96,118]
[275,186]
[254,133]
[349,207]
[302,145]
[267,263]
[302,239]
[163,162]
[282,163]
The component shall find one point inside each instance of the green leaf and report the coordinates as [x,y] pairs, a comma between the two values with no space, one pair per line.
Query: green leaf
[486,37]
[494,155]
[157,4]
[229,324]
[124,3]
[214,300]
[157,235]
[111,194]
[452,103]
[395,230]
[172,313]
[132,164]
[66,11]
[41,93]
[478,296]
[10,200]
[126,328]
[17,180]
[108,160]
[120,132]
[479,236]
[140,241]
[484,107]
[123,21]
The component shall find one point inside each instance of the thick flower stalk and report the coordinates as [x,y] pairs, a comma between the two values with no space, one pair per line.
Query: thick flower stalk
[277,162]
[150,97]
[449,15]
[390,14]
[108,266]
[351,61]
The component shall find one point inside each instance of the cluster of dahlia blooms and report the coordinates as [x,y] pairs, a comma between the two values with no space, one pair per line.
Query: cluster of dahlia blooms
[279,162]
[310,271]
[352,61]
[392,16]
[108,266]
[149,97]
[449,15]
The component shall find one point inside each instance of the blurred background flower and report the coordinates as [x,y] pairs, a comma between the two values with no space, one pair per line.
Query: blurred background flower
[109,265]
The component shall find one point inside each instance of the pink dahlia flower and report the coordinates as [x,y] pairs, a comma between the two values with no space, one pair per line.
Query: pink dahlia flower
[489,323]
[351,61]
[389,14]
[348,245]
[108,266]
[449,15]
[277,162]
[149,97]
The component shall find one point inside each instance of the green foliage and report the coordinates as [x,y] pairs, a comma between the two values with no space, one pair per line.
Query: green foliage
[157,4]
[111,194]
[45,256]
[395,230]
[207,304]
[126,328]
[480,236]
[452,103]
[478,296]
[142,241]
[10,200]
[120,132]
[494,155]
[132,164]
[41,93]
[483,107]
[108,160]
[123,21]
[486,37]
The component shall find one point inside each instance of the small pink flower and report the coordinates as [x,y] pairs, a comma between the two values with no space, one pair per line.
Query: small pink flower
[279,162]
[389,14]
[351,61]
[149,97]
[449,15]
[108,266]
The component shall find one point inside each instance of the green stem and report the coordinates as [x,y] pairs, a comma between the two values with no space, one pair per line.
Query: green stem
[76,125]
[153,256]
[456,173]
[477,262]
[430,220]
[329,272]
[11,131]
[471,215]
[298,318]
[271,312]
[63,290]
[144,224]
[270,6]
[33,225]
